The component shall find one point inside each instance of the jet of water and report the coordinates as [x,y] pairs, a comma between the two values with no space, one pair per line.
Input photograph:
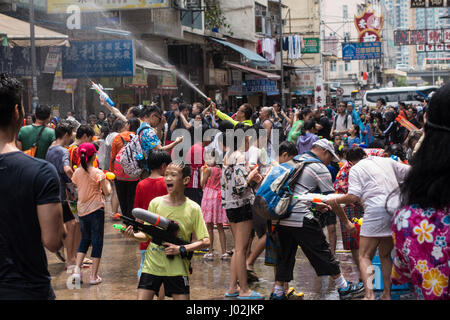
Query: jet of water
[152,53]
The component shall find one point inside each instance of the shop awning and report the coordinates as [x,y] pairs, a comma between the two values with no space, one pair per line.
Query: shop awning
[267,75]
[151,66]
[254,58]
[17,33]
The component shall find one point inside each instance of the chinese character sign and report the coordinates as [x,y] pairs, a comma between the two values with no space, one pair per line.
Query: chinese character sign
[361,51]
[369,26]
[110,58]
[17,61]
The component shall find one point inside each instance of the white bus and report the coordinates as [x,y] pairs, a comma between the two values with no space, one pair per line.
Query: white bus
[393,96]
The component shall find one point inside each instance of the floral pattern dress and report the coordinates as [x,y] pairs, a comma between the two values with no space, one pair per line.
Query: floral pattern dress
[421,238]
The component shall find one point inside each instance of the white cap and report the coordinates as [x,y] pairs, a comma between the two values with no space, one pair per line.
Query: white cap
[327,145]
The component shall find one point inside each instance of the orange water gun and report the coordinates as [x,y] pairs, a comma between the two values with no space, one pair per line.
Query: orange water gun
[405,123]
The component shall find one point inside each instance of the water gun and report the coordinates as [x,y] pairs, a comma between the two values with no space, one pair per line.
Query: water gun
[405,123]
[395,158]
[205,167]
[316,197]
[160,229]
[253,166]
[102,94]
[109,175]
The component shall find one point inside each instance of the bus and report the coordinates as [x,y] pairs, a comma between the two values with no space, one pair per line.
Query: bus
[393,96]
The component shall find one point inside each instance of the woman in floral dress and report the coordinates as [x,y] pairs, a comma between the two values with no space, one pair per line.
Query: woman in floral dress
[421,228]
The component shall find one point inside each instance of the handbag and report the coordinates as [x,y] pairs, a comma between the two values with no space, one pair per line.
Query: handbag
[32,151]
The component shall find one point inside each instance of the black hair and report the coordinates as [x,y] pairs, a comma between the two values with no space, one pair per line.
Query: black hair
[186,170]
[135,111]
[248,111]
[43,112]
[309,125]
[85,129]
[182,107]
[376,144]
[357,129]
[105,130]
[148,110]
[289,147]
[10,92]
[304,112]
[134,124]
[427,184]
[224,125]
[62,128]
[355,154]
[157,158]
[396,150]
[117,125]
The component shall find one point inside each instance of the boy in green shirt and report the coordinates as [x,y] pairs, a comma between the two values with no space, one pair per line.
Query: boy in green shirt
[158,268]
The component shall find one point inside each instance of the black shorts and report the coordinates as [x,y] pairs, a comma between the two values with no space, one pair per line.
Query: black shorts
[240,214]
[312,240]
[67,212]
[327,218]
[195,194]
[172,285]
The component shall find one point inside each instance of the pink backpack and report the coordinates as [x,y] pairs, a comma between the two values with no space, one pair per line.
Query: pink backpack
[118,169]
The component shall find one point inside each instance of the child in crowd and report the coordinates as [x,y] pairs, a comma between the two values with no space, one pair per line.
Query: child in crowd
[150,188]
[91,182]
[158,268]
[213,212]
[354,136]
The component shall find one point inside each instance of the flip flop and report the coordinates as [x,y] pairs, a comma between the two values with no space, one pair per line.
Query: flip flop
[230,295]
[252,277]
[253,296]
[87,261]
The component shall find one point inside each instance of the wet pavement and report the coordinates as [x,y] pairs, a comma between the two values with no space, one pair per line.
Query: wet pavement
[209,281]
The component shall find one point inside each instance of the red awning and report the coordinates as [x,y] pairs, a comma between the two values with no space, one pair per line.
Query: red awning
[267,75]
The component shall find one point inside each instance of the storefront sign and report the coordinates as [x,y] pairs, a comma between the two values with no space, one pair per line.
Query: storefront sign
[139,79]
[310,45]
[16,61]
[369,26]
[302,83]
[109,58]
[60,6]
[52,60]
[60,84]
[418,4]
[361,51]
[167,81]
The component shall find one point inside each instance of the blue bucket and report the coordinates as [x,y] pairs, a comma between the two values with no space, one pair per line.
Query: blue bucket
[378,284]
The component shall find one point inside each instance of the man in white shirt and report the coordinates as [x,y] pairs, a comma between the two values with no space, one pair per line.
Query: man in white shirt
[342,121]
[375,182]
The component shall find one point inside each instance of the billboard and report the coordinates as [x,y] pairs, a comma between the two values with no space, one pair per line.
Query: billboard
[361,50]
[60,6]
[97,59]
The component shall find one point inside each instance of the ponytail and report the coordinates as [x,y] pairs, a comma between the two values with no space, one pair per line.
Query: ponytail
[84,160]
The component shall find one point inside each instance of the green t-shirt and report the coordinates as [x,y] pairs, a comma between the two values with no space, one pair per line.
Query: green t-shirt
[28,136]
[190,220]
[295,131]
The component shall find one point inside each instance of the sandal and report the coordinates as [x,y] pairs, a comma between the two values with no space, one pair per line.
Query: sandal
[225,256]
[60,255]
[96,280]
[251,276]
[231,295]
[87,261]
[208,257]
[253,296]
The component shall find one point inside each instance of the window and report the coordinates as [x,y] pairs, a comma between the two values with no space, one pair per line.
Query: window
[333,66]
[348,66]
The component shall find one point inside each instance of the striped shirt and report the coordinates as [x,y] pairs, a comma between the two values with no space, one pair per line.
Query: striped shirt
[315,178]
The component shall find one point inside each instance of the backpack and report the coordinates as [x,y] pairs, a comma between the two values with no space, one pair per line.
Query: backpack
[132,158]
[118,168]
[273,198]
[345,121]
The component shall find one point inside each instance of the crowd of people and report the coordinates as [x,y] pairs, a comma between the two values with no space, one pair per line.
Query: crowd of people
[364,161]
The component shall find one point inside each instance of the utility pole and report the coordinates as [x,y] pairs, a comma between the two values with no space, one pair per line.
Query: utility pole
[34,99]
[283,98]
